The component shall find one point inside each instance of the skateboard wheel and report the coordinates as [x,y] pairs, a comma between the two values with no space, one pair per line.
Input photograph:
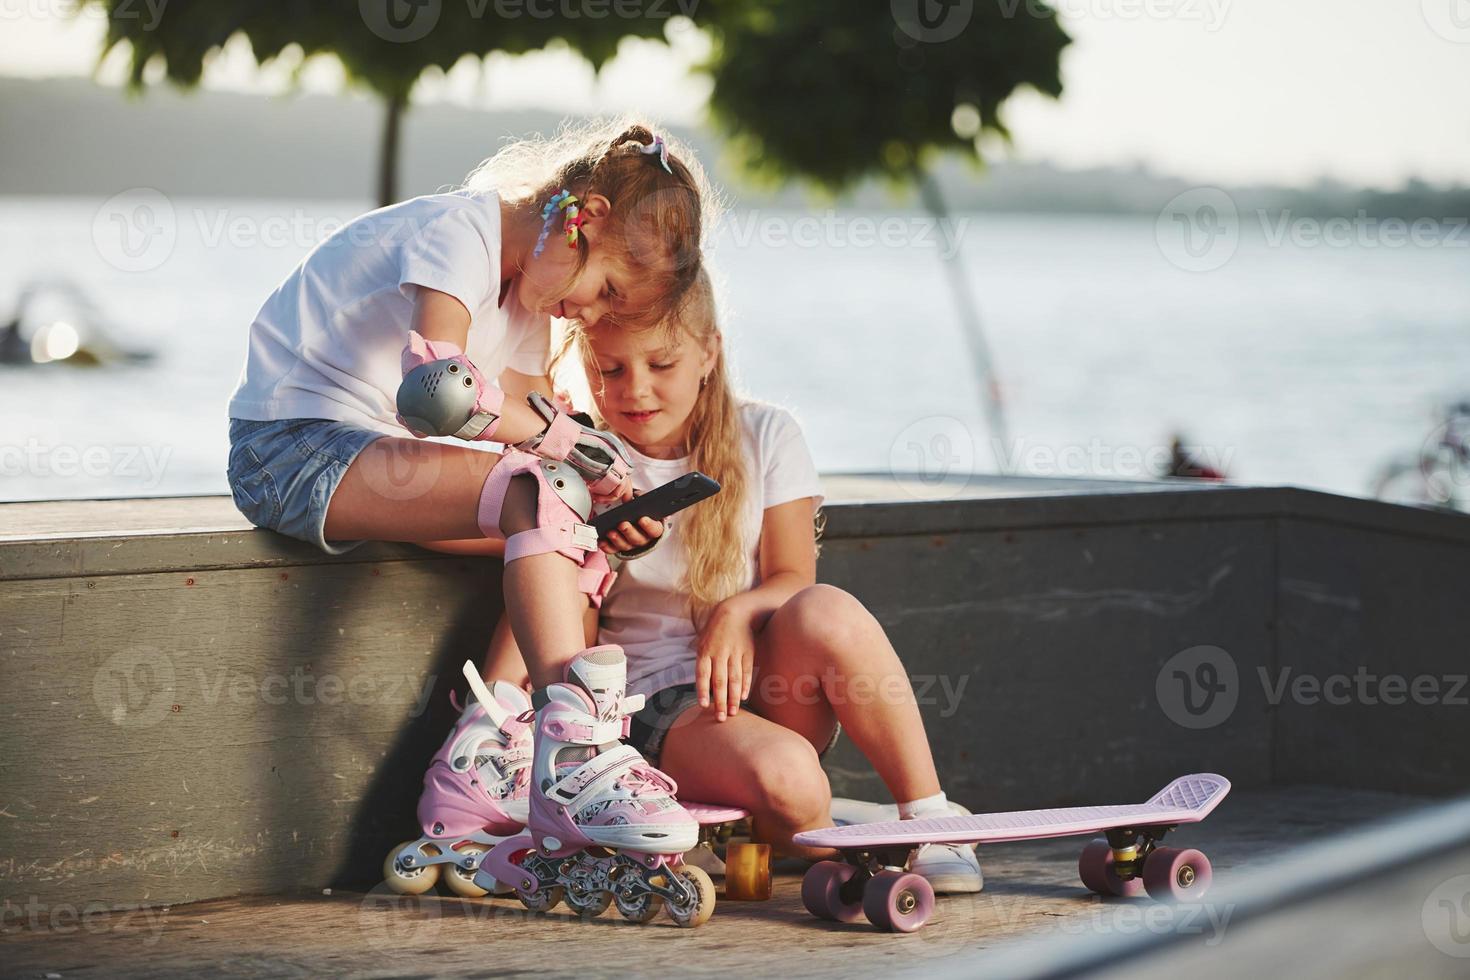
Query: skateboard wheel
[747,871]
[1095,868]
[898,901]
[821,892]
[1174,874]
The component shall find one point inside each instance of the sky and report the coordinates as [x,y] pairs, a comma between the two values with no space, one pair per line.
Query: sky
[1369,92]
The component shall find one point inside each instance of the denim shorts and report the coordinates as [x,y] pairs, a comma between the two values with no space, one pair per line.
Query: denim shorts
[651,726]
[283,472]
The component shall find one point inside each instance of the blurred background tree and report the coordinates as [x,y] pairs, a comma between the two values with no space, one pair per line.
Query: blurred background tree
[831,92]
[385,45]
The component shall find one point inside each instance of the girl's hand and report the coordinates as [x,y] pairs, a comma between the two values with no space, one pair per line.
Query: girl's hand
[625,537]
[726,664]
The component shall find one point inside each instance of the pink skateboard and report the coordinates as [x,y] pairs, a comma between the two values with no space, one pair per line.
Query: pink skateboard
[873,880]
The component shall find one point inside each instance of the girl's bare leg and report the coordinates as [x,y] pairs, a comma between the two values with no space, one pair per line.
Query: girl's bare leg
[547,612]
[765,768]
[407,490]
[503,661]
[821,658]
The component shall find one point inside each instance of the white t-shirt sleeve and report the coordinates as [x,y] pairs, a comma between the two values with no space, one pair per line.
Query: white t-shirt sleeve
[790,472]
[449,254]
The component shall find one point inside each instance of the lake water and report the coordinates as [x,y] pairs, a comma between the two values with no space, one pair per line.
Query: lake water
[1297,361]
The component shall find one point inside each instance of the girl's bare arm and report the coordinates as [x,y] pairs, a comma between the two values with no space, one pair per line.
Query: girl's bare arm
[439,316]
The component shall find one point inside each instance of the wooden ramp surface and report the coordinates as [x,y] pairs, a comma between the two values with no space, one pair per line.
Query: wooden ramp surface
[1032,894]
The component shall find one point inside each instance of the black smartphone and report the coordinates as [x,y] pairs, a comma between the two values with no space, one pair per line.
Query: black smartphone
[659,503]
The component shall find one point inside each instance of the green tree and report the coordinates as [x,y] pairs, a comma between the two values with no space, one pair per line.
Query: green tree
[385,45]
[832,92]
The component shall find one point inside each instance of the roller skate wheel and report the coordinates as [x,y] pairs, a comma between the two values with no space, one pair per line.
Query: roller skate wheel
[898,901]
[748,872]
[408,881]
[821,892]
[461,880]
[542,899]
[1171,874]
[638,908]
[591,905]
[1095,868]
[698,913]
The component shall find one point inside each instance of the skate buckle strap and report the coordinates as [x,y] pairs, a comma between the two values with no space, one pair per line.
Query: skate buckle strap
[512,762]
[620,705]
[614,765]
[583,732]
[628,707]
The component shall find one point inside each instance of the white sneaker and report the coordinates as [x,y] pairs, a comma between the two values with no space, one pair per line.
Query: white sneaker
[846,812]
[949,868]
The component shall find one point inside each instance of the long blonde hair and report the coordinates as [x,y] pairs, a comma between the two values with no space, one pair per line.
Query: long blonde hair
[659,217]
[712,534]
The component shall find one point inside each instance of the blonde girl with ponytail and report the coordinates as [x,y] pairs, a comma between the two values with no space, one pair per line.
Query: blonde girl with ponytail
[748,664]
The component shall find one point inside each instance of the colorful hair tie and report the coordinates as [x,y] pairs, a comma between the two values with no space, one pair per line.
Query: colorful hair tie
[657,146]
[572,224]
[564,201]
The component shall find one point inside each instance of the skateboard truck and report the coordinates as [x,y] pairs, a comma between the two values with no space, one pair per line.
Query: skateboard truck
[1131,847]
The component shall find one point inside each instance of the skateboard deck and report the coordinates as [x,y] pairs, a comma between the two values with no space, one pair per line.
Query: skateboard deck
[1188,799]
[714,813]
[873,879]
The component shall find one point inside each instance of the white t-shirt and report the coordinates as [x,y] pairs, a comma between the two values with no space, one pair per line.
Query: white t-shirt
[326,343]
[647,612]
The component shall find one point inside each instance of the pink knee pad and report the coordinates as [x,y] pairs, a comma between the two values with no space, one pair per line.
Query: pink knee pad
[563,505]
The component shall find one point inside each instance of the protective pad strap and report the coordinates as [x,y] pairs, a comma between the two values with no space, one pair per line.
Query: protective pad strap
[489,402]
[420,351]
[559,529]
[560,437]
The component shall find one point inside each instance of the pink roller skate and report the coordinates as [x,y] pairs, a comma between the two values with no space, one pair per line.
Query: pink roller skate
[604,825]
[475,794]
